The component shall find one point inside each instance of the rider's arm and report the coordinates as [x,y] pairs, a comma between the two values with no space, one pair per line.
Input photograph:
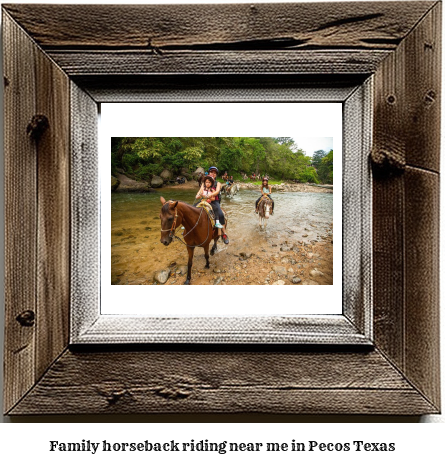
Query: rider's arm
[218,188]
[199,194]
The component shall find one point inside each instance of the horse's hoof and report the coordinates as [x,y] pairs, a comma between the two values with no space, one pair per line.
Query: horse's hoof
[212,252]
[207,266]
[187,282]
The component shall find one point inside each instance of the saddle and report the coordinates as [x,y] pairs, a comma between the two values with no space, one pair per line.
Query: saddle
[209,210]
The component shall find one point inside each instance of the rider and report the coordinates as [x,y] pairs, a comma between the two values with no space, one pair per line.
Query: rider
[266,190]
[207,191]
[213,171]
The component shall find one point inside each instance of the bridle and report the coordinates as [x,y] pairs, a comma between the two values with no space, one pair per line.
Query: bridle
[173,228]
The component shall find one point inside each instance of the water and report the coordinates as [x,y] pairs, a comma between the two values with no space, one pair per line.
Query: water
[136,250]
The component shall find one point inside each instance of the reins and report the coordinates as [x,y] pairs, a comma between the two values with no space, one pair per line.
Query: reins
[173,229]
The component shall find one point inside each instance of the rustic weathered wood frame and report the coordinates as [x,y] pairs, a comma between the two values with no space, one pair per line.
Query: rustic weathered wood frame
[78,56]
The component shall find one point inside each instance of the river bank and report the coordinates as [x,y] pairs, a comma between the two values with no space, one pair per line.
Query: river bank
[283,187]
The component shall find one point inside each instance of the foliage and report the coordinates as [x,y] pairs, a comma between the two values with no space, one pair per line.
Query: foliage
[279,157]
[324,164]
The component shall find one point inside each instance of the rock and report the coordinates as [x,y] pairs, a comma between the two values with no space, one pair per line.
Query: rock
[279,283]
[161,276]
[217,270]
[166,175]
[182,269]
[315,273]
[114,183]
[309,282]
[198,172]
[245,255]
[296,280]
[290,270]
[157,182]
[284,260]
[280,270]
[217,280]
[310,255]
[304,235]
[130,185]
[293,261]
[285,249]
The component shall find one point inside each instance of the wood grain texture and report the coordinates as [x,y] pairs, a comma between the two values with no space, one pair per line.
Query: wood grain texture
[357,209]
[20,213]
[223,382]
[79,63]
[53,228]
[397,41]
[422,189]
[274,26]
[423,49]
[406,206]
[85,209]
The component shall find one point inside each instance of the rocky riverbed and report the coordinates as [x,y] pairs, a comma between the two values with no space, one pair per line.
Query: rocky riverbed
[296,248]
[280,264]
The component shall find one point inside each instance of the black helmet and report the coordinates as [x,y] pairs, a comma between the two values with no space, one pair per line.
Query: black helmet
[214,168]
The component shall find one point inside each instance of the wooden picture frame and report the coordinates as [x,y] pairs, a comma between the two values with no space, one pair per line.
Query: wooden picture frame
[76,56]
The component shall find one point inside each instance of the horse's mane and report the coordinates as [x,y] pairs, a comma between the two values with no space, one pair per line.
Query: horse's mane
[165,206]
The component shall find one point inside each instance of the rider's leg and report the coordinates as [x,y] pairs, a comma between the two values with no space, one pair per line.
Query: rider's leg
[256,204]
[216,207]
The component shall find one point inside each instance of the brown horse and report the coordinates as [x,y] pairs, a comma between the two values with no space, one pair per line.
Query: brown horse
[200,178]
[198,229]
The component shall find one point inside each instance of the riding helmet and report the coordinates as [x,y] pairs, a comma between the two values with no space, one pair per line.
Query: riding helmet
[214,168]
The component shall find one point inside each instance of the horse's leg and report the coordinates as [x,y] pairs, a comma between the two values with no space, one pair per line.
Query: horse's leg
[191,251]
[206,254]
[215,247]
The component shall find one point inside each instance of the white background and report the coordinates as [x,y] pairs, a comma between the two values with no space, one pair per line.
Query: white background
[228,120]
[23,442]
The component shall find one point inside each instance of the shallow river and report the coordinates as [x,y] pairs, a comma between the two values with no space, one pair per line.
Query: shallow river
[137,253]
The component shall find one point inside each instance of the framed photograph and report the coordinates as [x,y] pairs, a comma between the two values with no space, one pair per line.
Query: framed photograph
[365,343]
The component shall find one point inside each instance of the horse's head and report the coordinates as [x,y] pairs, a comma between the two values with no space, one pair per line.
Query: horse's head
[168,220]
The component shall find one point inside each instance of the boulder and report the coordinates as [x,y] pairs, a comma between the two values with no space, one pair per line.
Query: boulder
[114,183]
[296,280]
[130,185]
[166,175]
[156,182]
[198,172]
[161,276]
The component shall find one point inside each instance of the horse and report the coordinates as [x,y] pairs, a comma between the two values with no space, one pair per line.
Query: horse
[264,207]
[231,190]
[200,178]
[198,229]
